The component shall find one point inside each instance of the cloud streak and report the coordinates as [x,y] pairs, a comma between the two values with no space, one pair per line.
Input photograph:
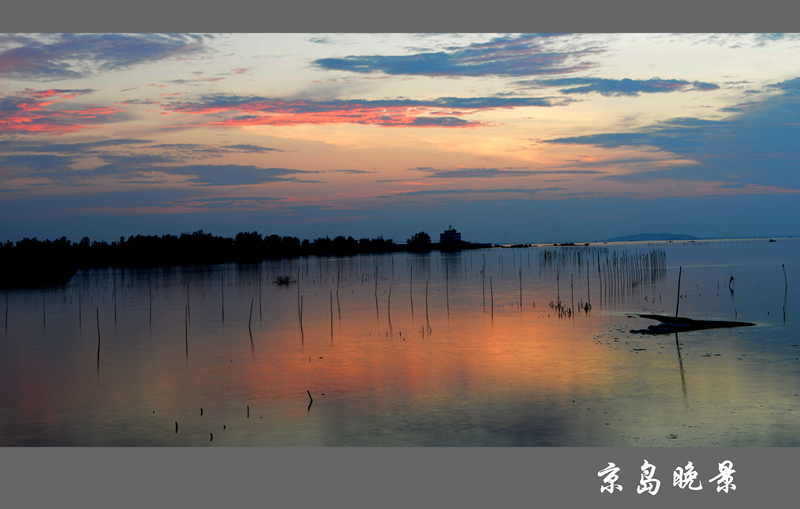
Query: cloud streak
[425,192]
[497,173]
[440,112]
[525,55]
[71,56]
[618,88]
[104,148]
[40,111]
[207,175]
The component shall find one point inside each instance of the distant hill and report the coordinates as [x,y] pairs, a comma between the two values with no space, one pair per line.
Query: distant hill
[651,236]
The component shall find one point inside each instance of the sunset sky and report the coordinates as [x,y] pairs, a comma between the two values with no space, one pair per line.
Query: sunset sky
[508,137]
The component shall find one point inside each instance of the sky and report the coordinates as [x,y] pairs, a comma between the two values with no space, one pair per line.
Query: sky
[509,138]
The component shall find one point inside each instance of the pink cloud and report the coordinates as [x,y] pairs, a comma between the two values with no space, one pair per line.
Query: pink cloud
[30,113]
[389,113]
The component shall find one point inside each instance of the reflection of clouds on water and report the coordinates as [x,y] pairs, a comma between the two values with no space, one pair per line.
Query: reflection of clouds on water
[523,377]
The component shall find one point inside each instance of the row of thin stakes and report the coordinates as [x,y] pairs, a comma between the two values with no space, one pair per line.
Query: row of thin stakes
[617,273]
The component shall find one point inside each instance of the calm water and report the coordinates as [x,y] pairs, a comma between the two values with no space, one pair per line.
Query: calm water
[500,368]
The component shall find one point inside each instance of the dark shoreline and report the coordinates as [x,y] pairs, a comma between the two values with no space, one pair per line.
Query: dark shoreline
[31,263]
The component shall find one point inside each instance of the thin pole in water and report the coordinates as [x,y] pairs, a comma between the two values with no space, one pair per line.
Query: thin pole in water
[331,296]
[588,291]
[301,315]
[491,290]
[426,301]
[98,340]
[558,285]
[447,287]
[483,272]
[338,277]
[251,313]
[411,289]
[679,292]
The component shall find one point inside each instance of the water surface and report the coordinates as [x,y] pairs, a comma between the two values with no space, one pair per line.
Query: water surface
[399,349]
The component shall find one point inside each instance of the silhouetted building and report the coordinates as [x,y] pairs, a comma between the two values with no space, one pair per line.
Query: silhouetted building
[450,236]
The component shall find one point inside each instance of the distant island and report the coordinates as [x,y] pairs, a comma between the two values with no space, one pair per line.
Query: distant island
[651,236]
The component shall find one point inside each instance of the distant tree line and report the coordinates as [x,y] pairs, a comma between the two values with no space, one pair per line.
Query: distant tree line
[31,262]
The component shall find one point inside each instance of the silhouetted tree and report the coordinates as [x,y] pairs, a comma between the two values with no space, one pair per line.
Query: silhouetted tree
[419,240]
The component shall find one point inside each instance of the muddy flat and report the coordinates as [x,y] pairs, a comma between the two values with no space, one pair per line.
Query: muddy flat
[670,324]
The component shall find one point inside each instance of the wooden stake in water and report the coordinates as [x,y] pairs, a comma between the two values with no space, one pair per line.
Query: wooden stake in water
[338,277]
[411,289]
[447,287]
[784,276]
[426,302]
[572,289]
[588,292]
[558,285]
[251,313]
[599,278]
[114,296]
[98,340]
[492,291]
[679,291]
[520,287]
[301,315]
[483,273]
